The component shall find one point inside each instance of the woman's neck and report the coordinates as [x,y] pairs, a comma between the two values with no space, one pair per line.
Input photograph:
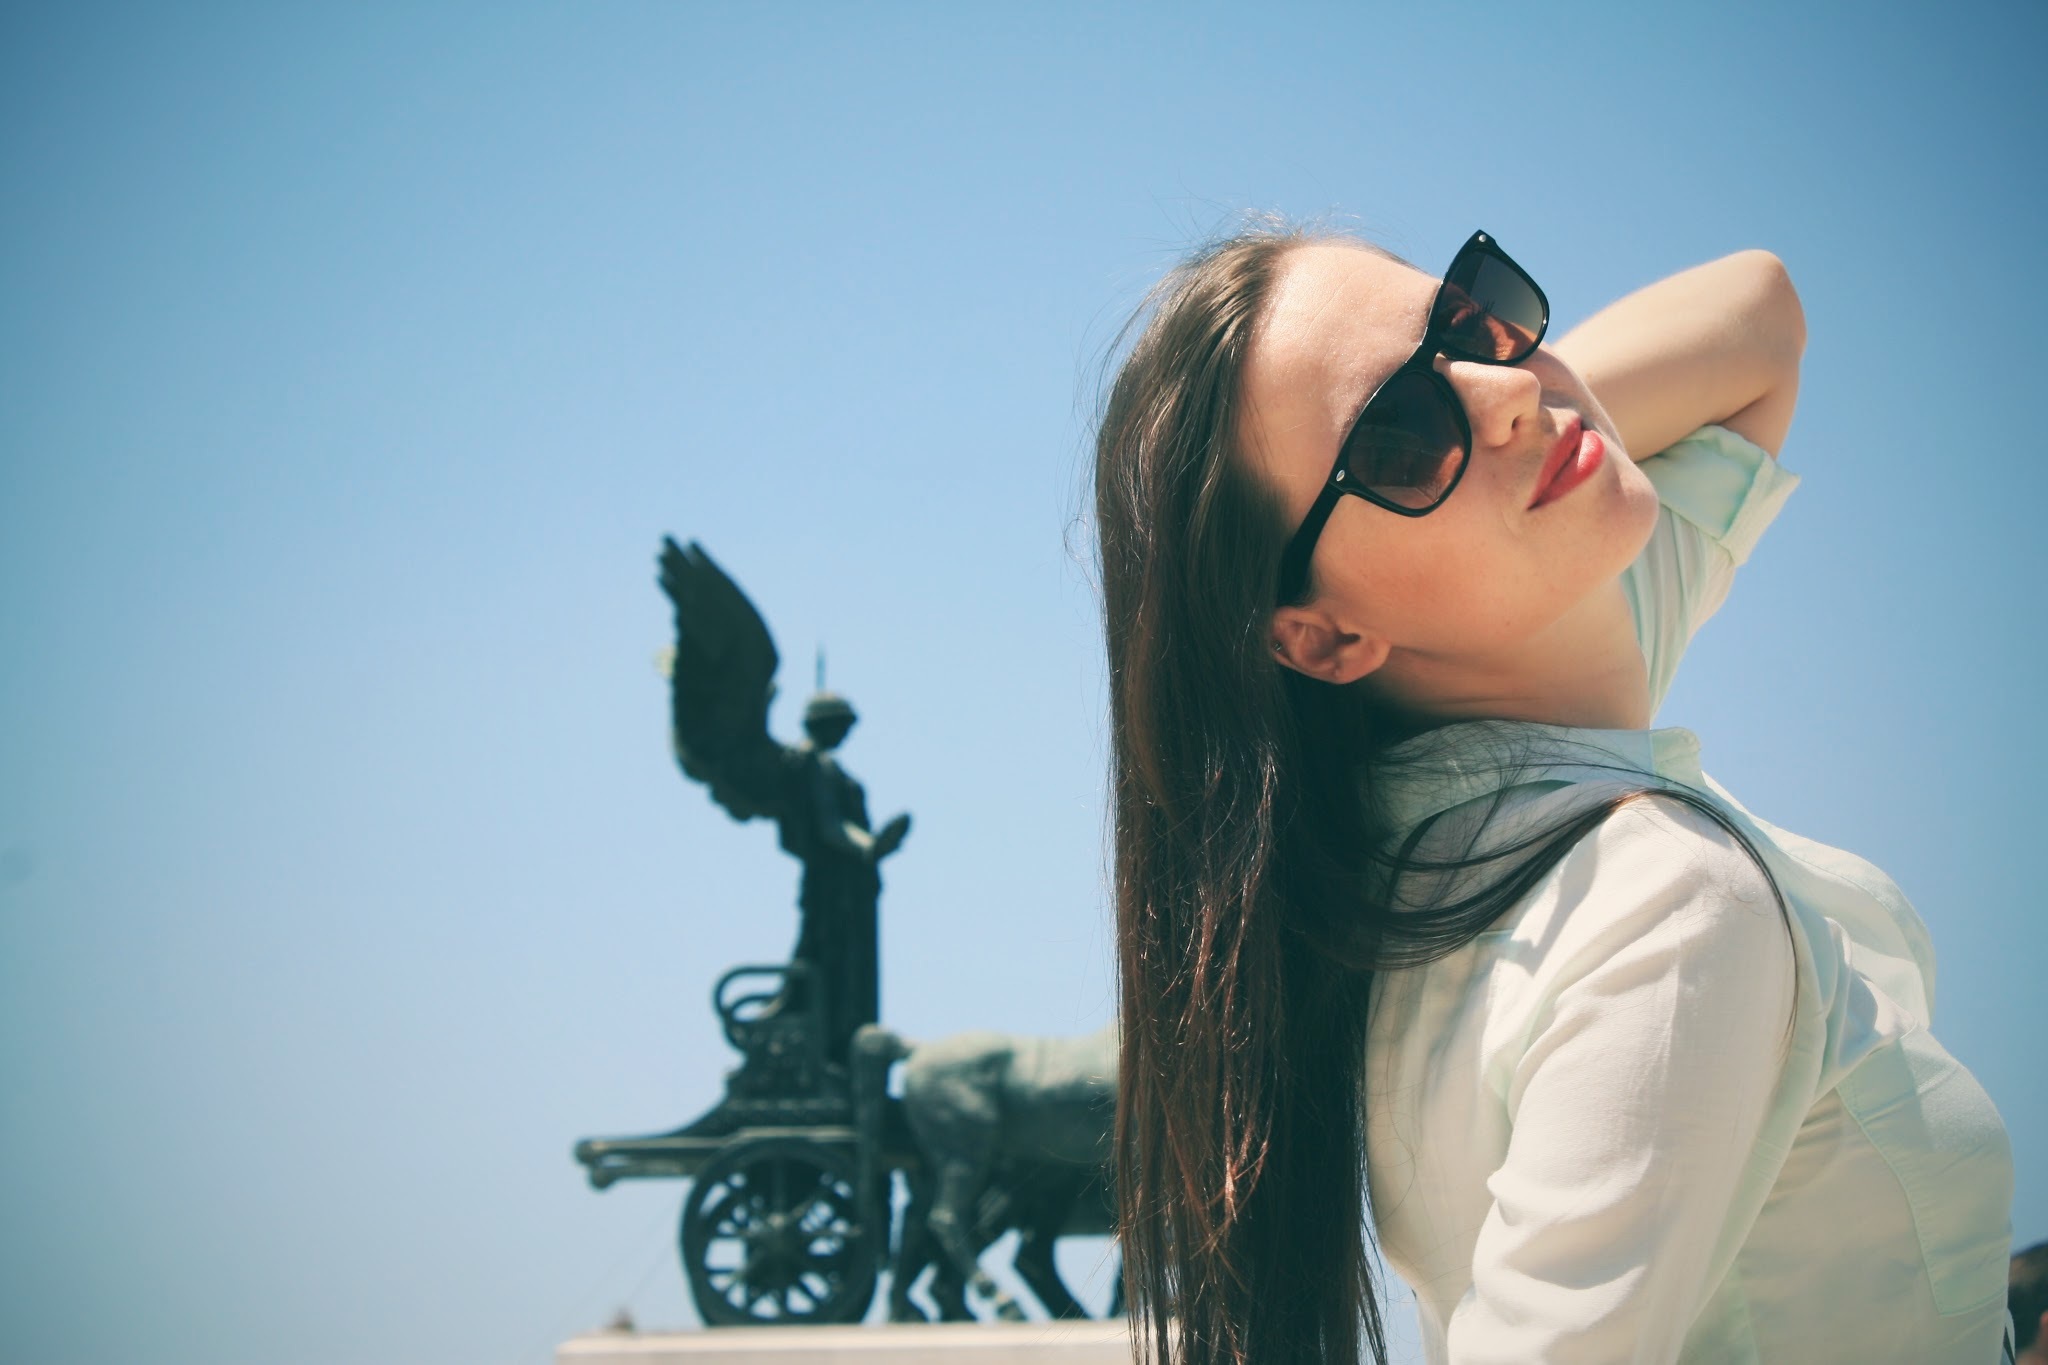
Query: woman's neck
[1585,670]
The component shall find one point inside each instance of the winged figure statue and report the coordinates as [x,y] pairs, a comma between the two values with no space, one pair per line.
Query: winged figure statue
[720,686]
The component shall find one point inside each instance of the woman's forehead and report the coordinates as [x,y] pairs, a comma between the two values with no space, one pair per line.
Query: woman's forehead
[1328,290]
[1341,319]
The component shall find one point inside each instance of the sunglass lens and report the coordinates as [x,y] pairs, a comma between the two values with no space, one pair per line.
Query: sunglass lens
[1407,446]
[1488,309]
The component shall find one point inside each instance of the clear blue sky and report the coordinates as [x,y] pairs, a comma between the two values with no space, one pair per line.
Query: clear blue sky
[354,359]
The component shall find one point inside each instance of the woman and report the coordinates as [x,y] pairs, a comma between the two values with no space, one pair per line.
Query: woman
[1412,905]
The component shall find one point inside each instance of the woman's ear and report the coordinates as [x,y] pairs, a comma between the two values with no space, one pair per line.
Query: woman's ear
[1311,642]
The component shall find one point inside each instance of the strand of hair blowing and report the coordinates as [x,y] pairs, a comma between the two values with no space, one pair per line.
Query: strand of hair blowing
[1239,889]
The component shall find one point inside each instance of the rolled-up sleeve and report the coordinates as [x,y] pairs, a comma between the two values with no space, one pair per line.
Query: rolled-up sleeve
[1719,493]
[1643,1100]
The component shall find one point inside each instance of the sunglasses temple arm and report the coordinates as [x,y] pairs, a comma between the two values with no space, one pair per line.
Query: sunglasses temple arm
[1294,563]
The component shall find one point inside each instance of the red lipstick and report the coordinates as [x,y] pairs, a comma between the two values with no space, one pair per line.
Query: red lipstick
[1578,452]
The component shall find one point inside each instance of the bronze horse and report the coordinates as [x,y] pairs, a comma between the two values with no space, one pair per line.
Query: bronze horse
[1014,1133]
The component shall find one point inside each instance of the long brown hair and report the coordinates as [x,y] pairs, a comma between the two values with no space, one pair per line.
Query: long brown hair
[1254,892]
[1238,1131]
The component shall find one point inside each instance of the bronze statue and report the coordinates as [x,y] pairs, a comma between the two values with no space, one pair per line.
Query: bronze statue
[789,1217]
[721,685]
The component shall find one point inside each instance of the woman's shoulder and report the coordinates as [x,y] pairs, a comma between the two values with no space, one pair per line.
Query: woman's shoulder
[1655,913]
[1665,843]
[1650,866]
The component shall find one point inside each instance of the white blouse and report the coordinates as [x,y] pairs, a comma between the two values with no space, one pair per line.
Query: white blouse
[1649,1115]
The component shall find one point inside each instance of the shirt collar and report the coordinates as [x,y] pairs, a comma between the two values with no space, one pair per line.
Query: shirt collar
[1452,764]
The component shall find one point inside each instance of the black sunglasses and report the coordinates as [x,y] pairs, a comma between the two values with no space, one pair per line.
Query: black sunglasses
[1411,442]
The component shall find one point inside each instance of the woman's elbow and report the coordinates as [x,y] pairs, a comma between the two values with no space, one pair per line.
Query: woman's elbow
[1772,326]
[1778,318]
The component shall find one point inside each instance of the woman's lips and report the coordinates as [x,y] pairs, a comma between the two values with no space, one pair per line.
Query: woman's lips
[1578,452]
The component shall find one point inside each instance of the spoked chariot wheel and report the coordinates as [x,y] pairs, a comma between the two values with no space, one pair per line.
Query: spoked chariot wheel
[773,1233]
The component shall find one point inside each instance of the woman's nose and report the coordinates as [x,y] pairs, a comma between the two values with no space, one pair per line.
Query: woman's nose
[1500,400]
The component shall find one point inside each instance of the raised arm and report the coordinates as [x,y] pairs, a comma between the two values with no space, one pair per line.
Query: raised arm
[1719,343]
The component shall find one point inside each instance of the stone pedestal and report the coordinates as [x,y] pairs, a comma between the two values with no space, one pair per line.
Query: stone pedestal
[939,1343]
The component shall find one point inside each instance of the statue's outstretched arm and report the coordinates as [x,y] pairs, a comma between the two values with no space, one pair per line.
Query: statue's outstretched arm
[852,835]
[889,837]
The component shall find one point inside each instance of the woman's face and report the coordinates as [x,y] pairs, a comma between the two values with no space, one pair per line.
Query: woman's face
[1489,569]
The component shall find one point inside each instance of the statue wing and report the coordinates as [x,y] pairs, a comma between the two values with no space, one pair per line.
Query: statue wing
[721,684]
